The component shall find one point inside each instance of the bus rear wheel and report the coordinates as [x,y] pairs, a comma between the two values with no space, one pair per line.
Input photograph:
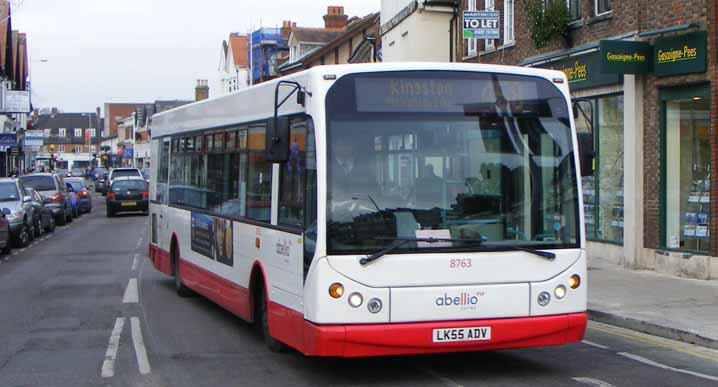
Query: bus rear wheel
[262,315]
[180,288]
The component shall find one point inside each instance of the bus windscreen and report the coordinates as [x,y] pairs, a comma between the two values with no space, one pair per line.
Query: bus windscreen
[451,155]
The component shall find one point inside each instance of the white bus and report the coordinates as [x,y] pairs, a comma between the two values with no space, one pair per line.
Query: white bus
[379,209]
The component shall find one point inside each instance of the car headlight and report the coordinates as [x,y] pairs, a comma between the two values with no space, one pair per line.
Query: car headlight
[11,216]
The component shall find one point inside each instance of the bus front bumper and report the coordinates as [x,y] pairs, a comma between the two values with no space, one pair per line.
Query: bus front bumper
[417,338]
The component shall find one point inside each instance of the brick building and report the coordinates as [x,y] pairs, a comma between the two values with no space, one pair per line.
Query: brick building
[652,199]
[72,138]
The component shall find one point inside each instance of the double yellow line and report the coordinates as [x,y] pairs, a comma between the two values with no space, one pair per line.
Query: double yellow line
[689,349]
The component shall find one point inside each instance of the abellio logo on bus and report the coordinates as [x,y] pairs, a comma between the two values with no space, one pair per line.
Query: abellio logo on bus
[464,300]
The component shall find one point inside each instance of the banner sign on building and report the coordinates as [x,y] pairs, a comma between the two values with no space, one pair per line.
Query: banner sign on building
[583,71]
[481,24]
[8,139]
[33,138]
[15,101]
[625,57]
[681,54]
[14,151]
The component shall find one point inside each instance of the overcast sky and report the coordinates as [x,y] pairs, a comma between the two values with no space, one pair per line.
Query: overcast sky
[101,51]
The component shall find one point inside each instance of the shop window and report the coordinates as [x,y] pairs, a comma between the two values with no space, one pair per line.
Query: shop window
[686,171]
[603,191]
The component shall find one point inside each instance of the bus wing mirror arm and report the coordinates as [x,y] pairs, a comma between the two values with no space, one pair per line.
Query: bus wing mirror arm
[277,136]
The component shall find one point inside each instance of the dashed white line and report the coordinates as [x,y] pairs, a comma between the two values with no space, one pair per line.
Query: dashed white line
[23,249]
[131,295]
[134,262]
[142,361]
[108,366]
[593,382]
[13,254]
[665,367]
[591,343]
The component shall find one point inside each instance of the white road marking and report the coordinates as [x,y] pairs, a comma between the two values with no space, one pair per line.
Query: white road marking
[142,361]
[593,382]
[108,366]
[13,254]
[665,367]
[134,262]
[131,295]
[446,381]
[591,343]
[23,249]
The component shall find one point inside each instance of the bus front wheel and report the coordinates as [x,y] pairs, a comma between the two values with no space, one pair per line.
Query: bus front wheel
[273,344]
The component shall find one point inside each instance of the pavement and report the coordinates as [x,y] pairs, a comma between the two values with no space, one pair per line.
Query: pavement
[85,307]
[676,308]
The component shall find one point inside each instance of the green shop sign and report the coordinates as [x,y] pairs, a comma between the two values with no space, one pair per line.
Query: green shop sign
[682,54]
[584,71]
[625,57]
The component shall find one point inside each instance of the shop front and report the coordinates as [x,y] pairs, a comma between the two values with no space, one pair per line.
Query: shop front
[601,117]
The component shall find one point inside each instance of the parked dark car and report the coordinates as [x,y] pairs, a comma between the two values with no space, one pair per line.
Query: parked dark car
[21,213]
[54,192]
[84,199]
[101,184]
[128,194]
[44,219]
[4,232]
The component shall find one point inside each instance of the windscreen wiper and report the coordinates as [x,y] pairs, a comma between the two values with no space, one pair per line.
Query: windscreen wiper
[544,254]
[404,241]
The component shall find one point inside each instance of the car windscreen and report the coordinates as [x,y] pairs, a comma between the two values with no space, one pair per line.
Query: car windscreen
[77,185]
[8,192]
[129,185]
[125,173]
[40,183]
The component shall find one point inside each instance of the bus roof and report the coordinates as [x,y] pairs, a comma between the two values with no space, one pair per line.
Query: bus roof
[243,106]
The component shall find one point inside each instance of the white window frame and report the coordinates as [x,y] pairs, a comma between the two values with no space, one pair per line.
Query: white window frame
[595,9]
[61,132]
[61,148]
[78,132]
[471,43]
[46,133]
[78,148]
[489,43]
[93,148]
[509,37]
[93,132]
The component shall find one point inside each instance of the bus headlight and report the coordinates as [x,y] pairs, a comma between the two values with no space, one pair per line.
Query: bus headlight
[544,298]
[374,305]
[336,290]
[355,300]
[560,292]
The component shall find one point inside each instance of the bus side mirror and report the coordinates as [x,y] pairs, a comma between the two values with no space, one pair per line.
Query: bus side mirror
[277,140]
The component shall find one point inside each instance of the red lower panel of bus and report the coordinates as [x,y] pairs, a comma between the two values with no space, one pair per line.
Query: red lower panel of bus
[160,259]
[416,338]
[290,327]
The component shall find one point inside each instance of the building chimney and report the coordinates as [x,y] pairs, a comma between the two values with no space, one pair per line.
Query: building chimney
[287,30]
[201,91]
[335,19]
[98,118]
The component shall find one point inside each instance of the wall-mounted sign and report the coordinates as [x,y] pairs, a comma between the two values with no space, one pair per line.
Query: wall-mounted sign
[481,24]
[681,54]
[33,138]
[8,139]
[625,57]
[583,71]
[14,151]
[15,101]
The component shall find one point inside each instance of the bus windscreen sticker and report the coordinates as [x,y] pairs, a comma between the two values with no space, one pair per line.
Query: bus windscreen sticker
[212,237]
